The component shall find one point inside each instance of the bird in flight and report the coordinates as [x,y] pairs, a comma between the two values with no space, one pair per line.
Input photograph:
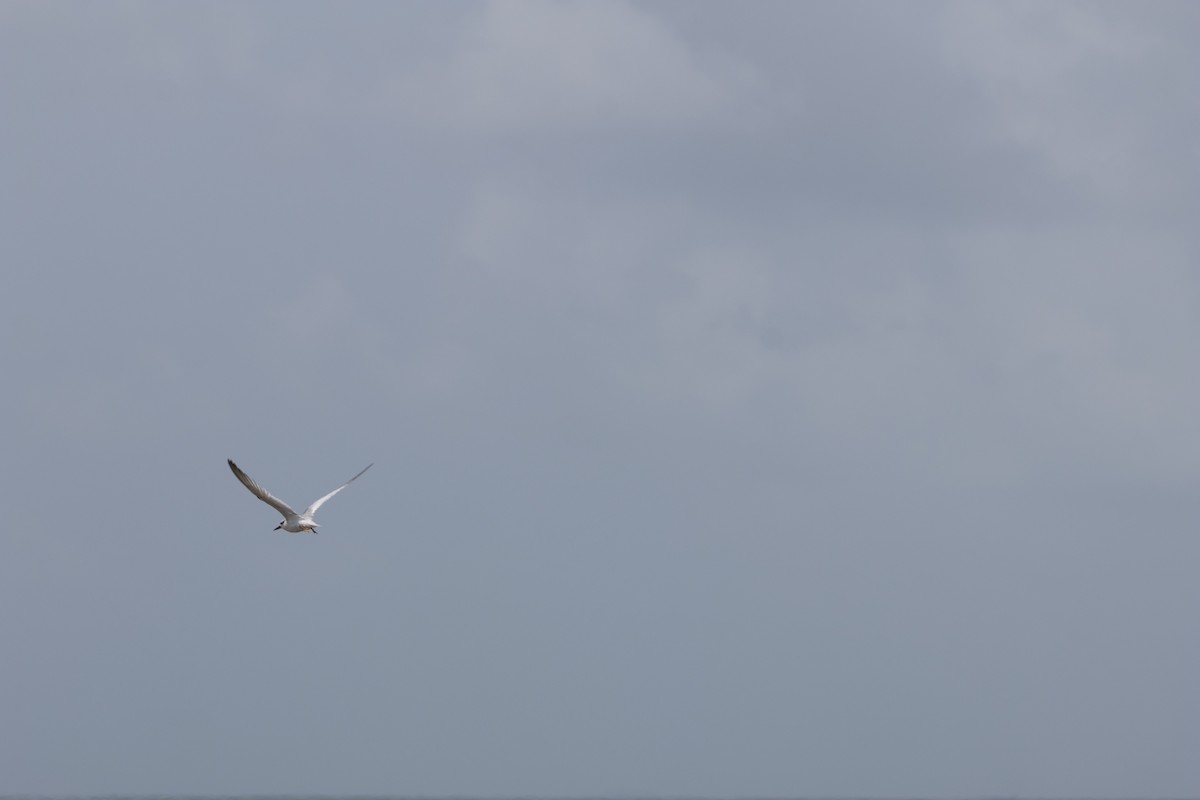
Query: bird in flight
[293,522]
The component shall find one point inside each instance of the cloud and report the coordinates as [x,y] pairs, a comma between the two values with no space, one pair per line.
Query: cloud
[1093,89]
[566,66]
[1080,337]
[754,380]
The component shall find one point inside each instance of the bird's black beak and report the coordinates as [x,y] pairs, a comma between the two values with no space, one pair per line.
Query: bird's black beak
[280,525]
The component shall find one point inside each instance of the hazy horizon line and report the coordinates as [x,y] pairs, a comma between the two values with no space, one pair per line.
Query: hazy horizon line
[600,796]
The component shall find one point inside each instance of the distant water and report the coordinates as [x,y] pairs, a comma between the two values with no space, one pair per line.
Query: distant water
[528,797]
[549,797]
[541,797]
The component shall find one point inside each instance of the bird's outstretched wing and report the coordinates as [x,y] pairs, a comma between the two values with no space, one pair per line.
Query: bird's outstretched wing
[261,493]
[308,512]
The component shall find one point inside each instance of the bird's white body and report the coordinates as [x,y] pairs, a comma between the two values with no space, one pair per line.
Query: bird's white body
[293,522]
[298,524]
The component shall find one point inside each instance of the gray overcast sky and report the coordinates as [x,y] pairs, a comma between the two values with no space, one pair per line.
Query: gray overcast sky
[765,399]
